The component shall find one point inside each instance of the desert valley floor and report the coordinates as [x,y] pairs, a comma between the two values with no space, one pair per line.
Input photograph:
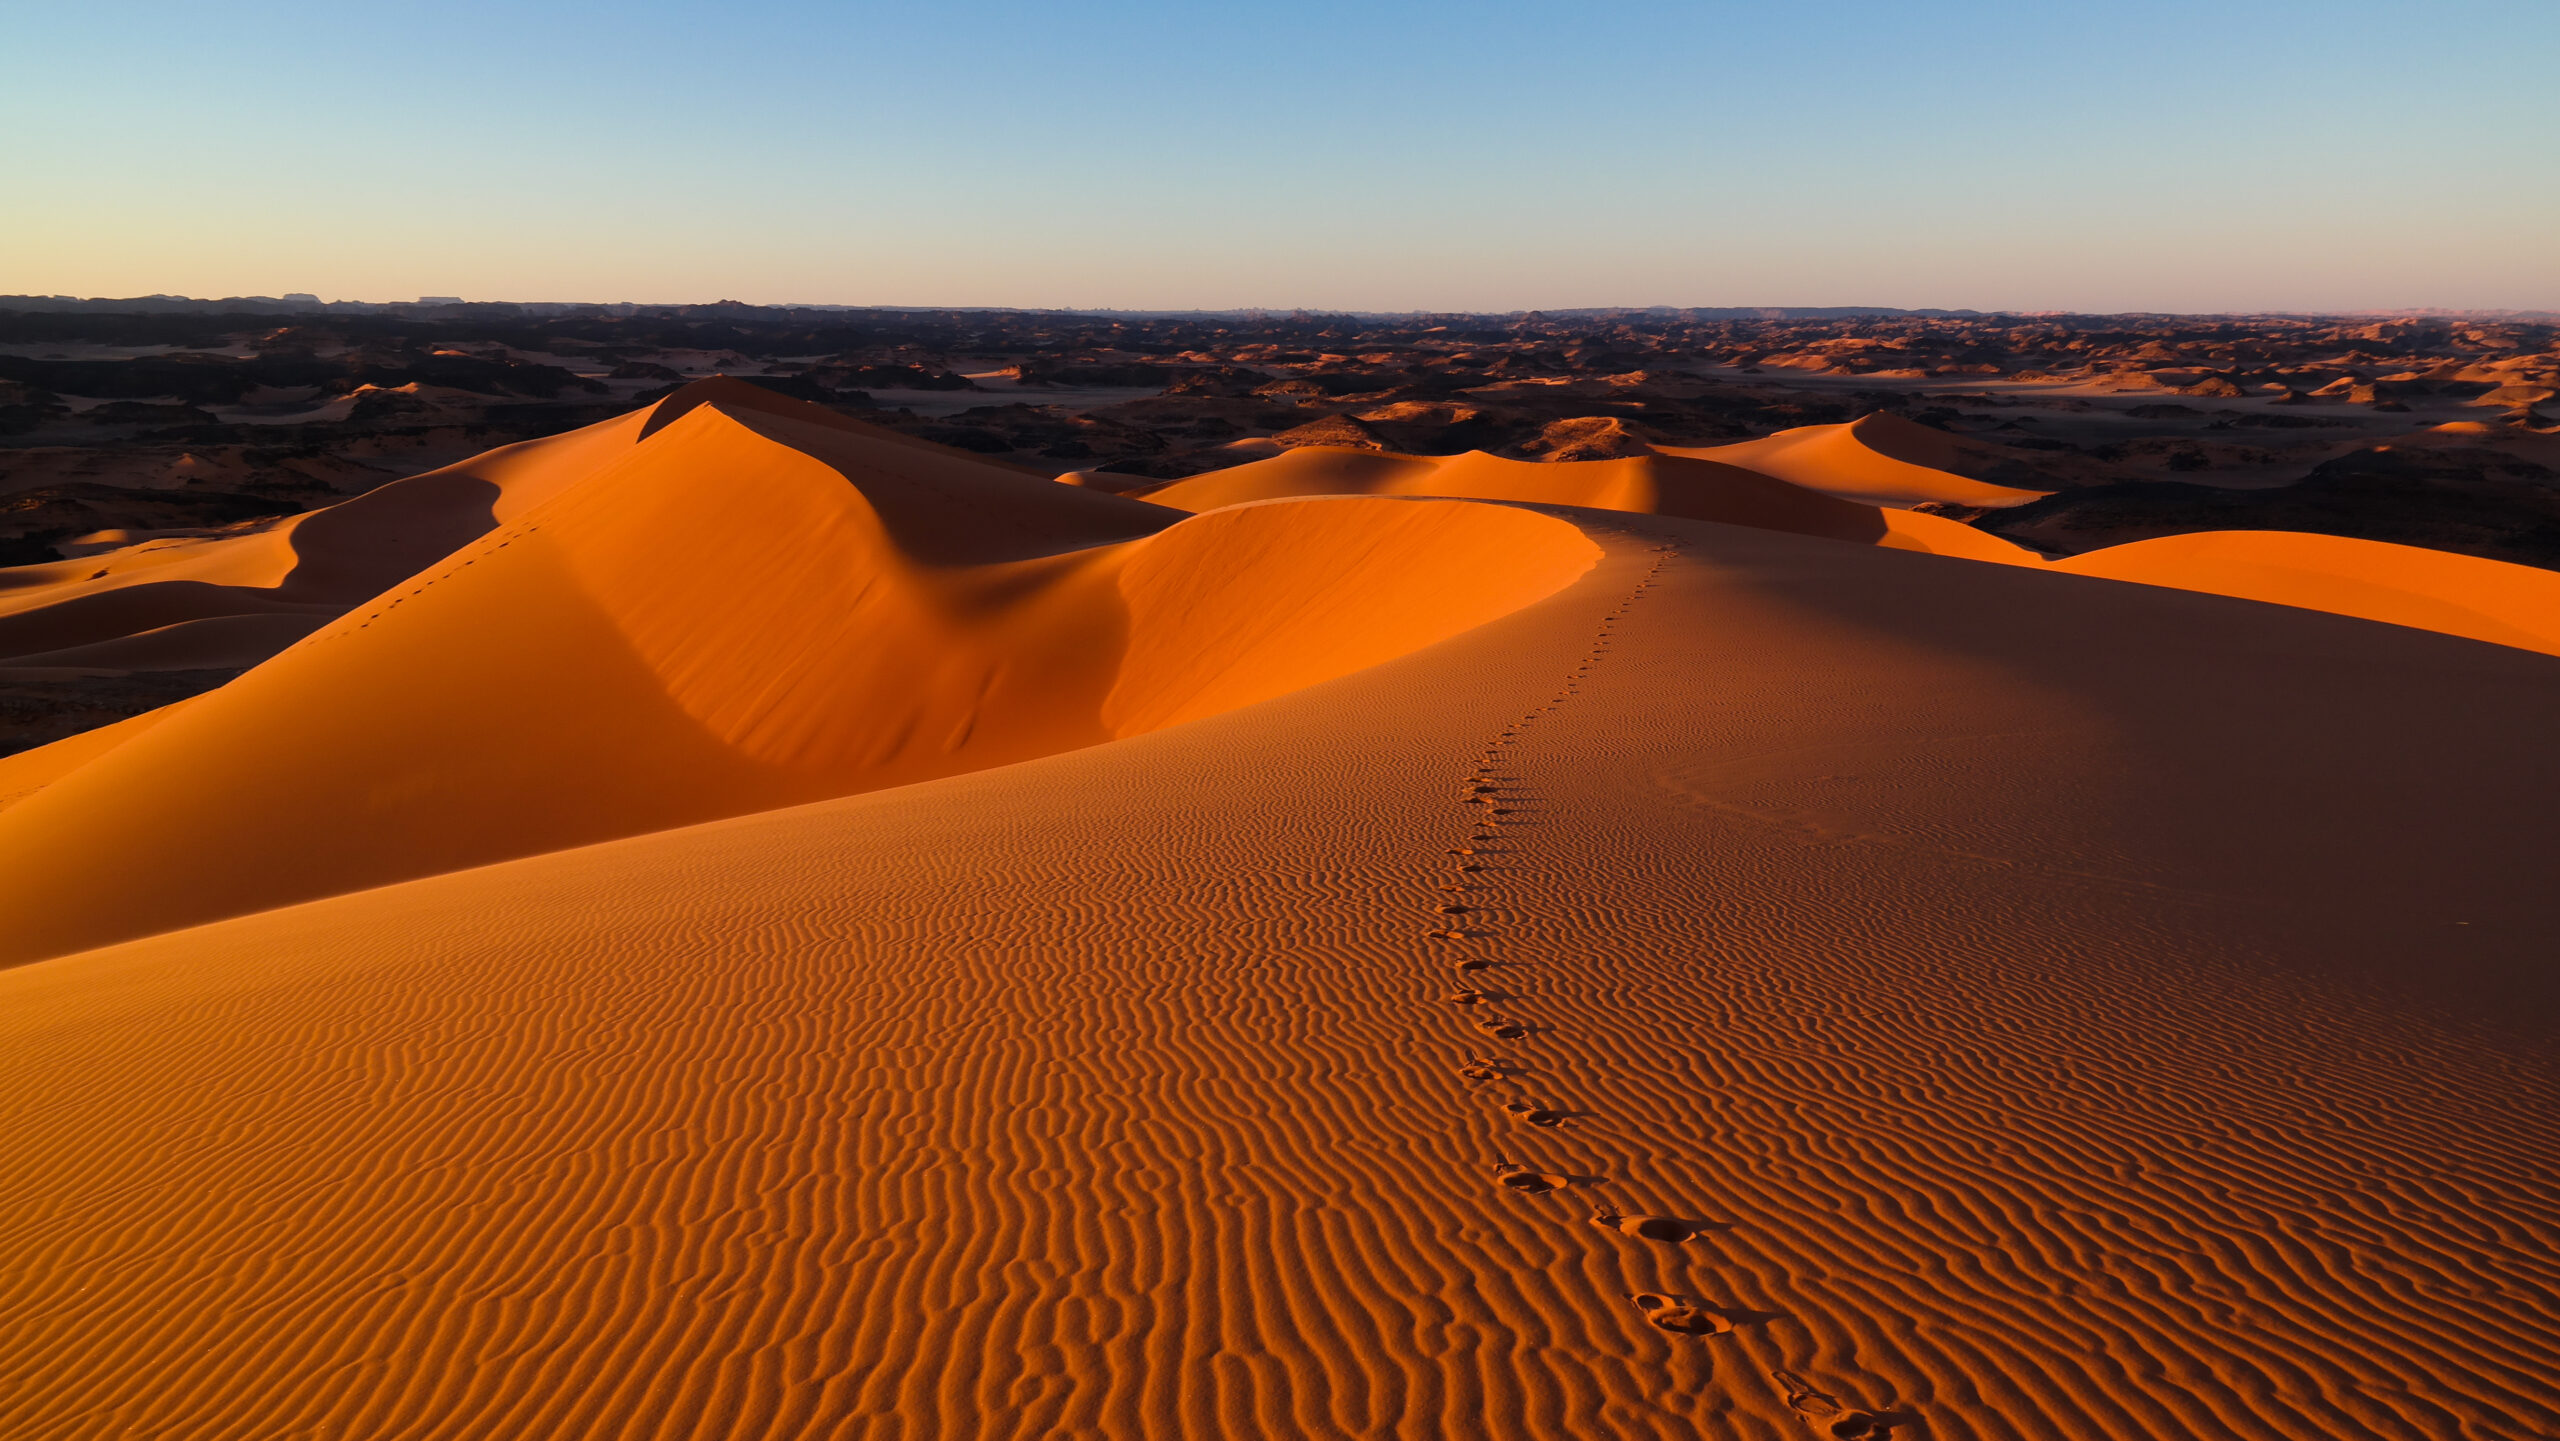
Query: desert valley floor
[735,922]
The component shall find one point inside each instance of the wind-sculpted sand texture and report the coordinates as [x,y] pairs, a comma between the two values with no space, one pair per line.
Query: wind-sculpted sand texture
[1983,1001]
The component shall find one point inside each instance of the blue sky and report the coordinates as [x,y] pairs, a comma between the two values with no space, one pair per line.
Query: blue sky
[2058,155]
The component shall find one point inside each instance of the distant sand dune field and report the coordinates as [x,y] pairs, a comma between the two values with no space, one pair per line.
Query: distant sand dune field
[786,933]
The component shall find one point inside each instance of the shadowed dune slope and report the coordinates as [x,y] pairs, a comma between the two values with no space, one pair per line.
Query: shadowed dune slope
[1879,459]
[217,640]
[1661,484]
[314,566]
[2401,585]
[2408,585]
[747,611]
[2051,1010]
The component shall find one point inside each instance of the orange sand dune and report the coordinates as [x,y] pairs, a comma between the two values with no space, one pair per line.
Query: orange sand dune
[1668,483]
[2402,585]
[2409,585]
[746,611]
[1879,459]
[2027,1009]
[219,640]
[314,566]
[29,771]
[311,566]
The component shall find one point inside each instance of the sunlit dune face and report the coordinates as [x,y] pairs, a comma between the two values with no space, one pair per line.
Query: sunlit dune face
[775,931]
[745,609]
[733,601]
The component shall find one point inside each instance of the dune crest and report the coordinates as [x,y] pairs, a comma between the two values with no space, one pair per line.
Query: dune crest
[299,571]
[1667,483]
[1880,459]
[2406,585]
[2397,584]
[748,610]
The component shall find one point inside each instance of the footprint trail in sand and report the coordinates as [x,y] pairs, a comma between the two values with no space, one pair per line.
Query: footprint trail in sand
[1494,778]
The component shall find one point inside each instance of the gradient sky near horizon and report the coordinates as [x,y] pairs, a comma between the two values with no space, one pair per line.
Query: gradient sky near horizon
[1495,156]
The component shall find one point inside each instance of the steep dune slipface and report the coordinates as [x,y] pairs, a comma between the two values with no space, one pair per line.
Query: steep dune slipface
[2407,585]
[1233,608]
[1667,483]
[1877,459]
[297,572]
[310,567]
[2037,1009]
[748,611]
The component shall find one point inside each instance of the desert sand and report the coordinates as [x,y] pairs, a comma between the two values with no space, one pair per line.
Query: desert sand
[175,452]
[1881,459]
[786,931]
[2517,605]
[1662,483]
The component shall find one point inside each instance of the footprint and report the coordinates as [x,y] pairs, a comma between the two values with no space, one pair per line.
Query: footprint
[1535,1115]
[1471,869]
[1463,851]
[1473,998]
[1500,1029]
[1648,1228]
[1680,1315]
[1475,963]
[1512,1176]
[1827,1414]
[1480,1068]
[1453,910]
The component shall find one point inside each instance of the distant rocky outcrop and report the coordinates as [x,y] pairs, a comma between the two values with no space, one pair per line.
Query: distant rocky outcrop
[1588,438]
[1337,430]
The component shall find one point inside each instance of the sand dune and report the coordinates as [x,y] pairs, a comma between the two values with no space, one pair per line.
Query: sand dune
[2039,1009]
[1880,459]
[1666,483]
[29,771]
[2464,595]
[2397,584]
[318,564]
[210,641]
[779,929]
[747,610]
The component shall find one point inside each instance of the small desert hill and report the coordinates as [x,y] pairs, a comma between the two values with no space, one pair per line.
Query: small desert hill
[1881,459]
[2512,605]
[738,609]
[1666,483]
[1988,1002]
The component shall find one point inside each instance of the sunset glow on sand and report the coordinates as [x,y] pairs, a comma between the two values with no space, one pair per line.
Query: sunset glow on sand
[1823,837]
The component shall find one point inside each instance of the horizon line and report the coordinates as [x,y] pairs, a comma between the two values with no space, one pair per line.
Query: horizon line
[303,301]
